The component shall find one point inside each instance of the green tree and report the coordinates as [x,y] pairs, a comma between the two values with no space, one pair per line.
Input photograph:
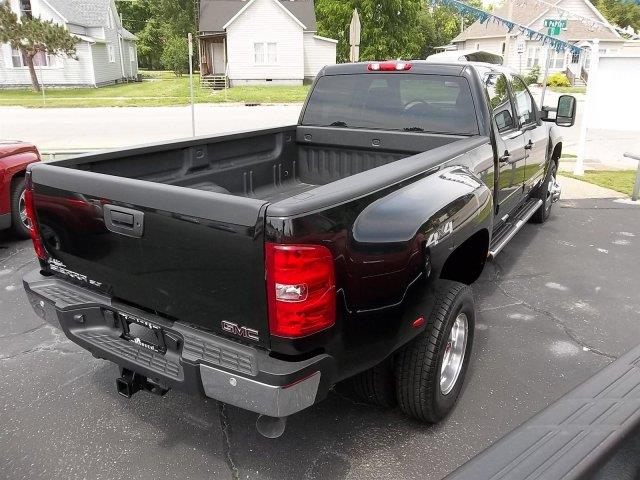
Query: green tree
[391,29]
[624,13]
[175,56]
[156,23]
[32,36]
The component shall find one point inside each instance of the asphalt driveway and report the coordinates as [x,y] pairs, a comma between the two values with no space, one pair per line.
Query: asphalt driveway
[559,304]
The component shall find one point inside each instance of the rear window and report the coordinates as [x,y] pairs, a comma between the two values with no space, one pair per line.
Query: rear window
[410,102]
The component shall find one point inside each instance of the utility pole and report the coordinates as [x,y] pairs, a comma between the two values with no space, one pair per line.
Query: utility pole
[193,109]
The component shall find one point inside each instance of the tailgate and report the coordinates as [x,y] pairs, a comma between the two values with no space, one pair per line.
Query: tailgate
[188,255]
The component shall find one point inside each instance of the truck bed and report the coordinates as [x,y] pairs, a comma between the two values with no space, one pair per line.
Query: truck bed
[269,165]
[117,223]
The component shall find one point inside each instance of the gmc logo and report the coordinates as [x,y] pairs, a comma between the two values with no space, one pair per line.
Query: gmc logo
[243,332]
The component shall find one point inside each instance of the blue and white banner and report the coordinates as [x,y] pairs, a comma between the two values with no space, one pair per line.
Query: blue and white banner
[485,17]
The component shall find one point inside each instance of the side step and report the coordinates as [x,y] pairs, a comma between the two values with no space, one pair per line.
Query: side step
[513,226]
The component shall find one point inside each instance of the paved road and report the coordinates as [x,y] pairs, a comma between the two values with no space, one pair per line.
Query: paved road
[81,128]
[559,304]
[77,128]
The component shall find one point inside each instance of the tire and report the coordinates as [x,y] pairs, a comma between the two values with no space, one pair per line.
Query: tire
[423,391]
[544,194]
[18,212]
[376,385]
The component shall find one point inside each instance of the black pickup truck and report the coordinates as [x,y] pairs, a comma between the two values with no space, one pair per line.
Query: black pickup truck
[262,268]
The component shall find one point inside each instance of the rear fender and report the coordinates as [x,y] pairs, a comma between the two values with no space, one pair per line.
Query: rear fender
[422,224]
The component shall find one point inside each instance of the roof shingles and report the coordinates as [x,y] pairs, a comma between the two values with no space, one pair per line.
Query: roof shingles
[214,14]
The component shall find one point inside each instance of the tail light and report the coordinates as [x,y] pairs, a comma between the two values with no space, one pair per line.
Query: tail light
[389,66]
[34,231]
[301,290]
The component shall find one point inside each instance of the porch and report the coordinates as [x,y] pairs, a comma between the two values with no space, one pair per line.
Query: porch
[577,70]
[213,61]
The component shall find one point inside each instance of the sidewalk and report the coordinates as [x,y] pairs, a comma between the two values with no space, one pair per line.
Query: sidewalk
[573,189]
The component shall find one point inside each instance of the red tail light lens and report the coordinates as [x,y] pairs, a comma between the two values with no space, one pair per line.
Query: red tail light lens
[34,231]
[389,66]
[301,289]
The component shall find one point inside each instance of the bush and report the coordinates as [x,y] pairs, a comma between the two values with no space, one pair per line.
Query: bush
[533,75]
[558,80]
[175,55]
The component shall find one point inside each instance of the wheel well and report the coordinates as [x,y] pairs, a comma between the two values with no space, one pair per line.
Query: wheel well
[557,152]
[17,176]
[467,261]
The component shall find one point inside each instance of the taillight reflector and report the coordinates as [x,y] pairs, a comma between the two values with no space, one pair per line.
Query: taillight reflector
[34,231]
[301,290]
[389,66]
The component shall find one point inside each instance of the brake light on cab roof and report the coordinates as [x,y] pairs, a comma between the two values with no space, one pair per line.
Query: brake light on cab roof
[389,66]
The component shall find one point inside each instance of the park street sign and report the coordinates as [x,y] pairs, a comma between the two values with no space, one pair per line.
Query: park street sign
[554,26]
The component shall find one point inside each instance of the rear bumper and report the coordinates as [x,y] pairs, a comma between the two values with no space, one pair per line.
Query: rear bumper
[5,221]
[195,361]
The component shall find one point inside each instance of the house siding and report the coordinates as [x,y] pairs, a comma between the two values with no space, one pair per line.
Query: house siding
[317,54]
[130,67]
[92,67]
[264,21]
[67,72]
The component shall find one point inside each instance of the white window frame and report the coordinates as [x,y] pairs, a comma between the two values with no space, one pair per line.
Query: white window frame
[557,57]
[111,53]
[16,54]
[132,53]
[51,61]
[533,56]
[265,53]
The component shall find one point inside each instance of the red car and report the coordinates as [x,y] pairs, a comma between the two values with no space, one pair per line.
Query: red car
[14,158]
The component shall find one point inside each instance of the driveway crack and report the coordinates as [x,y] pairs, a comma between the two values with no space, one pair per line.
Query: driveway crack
[31,330]
[224,427]
[565,328]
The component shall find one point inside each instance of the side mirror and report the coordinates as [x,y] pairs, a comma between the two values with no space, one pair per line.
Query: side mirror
[566,111]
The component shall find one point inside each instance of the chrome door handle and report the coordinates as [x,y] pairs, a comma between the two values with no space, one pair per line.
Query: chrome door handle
[529,145]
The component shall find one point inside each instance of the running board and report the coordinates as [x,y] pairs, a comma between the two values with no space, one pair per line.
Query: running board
[521,218]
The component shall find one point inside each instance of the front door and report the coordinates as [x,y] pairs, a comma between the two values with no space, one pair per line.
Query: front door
[217,56]
[510,143]
[536,135]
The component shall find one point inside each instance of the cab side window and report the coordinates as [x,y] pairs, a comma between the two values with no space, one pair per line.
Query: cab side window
[498,93]
[525,106]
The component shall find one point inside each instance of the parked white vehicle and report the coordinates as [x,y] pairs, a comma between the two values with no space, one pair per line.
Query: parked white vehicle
[466,56]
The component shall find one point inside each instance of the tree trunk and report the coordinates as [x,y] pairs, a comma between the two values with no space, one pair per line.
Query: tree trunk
[32,71]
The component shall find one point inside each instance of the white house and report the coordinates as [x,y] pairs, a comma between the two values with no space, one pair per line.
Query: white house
[493,37]
[106,51]
[246,42]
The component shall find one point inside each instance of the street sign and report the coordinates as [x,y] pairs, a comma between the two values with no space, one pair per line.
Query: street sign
[520,45]
[554,27]
[555,23]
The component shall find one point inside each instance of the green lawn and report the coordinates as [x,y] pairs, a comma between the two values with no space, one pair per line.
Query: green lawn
[568,89]
[156,89]
[619,180]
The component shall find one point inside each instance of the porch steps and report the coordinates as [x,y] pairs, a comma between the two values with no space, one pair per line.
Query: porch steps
[578,82]
[215,82]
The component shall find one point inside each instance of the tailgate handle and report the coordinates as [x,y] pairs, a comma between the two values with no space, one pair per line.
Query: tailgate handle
[124,221]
